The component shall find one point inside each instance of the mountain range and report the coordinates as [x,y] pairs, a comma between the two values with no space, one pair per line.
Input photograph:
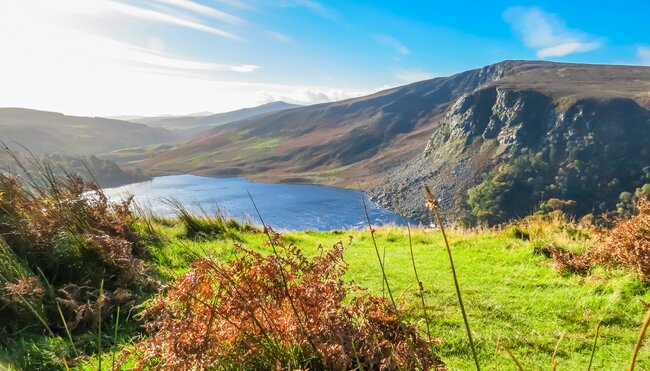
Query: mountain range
[51,132]
[193,124]
[575,123]
[493,143]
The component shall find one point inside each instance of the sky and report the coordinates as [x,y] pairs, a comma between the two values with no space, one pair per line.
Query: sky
[152,57]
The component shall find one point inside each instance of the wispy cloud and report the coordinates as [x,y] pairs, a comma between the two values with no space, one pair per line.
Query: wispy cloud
[233,3]
[156,16]
[643,53]
[244,68]
[548,34]
[203,10]
[306,96]
[392,43]
[314,6]
[413,75]
[280,36]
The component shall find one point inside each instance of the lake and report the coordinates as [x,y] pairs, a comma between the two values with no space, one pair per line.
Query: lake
[283,206]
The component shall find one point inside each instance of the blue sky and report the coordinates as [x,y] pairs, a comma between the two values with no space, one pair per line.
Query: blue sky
[112,57]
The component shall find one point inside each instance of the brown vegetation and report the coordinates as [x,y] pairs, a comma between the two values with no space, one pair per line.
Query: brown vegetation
[275,311]
[627,245]
[60,238]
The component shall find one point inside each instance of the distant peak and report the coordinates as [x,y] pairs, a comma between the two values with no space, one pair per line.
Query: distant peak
[279,103]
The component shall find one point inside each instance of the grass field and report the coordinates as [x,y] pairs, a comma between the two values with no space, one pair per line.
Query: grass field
[513,296]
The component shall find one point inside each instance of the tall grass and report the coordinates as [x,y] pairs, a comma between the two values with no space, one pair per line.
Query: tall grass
[205,224]
[593,347]
[432,204]
[420,286]
[58,234]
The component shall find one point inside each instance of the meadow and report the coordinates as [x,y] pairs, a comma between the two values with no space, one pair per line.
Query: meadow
[518,304]
[514,297]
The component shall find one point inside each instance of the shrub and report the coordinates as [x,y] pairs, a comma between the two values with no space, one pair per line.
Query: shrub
[276,311]
[627,245]
[517,232]
[63,238]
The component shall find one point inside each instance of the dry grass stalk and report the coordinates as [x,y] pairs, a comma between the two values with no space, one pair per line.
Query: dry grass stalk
[432,204]
[639,342]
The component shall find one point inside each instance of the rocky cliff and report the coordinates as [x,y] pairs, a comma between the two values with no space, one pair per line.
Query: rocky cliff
[501,152]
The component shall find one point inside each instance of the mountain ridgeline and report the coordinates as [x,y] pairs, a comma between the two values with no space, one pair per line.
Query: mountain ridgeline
[55,133]
[494,143]
[192,125]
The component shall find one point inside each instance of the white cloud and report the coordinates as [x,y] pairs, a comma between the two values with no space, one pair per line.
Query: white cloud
[393,43]
[566,49]
[156,44]
[306,95]
[156,16]
[547,33]
[644,55]
[234,3]
[59,56]
[203,9]
[413,75]
[49,62]
[244,68]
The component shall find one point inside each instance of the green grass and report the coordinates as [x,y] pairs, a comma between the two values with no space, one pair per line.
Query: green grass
[267,144]
[513,296]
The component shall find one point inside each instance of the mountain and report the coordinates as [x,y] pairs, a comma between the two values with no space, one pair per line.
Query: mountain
[541,137]
[332,143]
[520,132]
[191,125]
[50,132]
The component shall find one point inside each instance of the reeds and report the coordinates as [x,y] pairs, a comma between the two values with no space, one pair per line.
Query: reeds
[382,262]
[204,224]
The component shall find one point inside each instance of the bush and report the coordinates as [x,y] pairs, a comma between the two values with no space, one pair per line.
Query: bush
[517,232]
[63,238]
[626,246]
[276,311]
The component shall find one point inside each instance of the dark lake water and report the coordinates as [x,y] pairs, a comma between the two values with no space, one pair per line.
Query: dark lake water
[283,206]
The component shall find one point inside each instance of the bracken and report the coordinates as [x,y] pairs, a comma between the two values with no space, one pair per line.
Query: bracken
[237,314]
[626,246]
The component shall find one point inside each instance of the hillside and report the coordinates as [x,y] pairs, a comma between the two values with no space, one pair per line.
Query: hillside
[194,124]
[451,132]
[332,143]
[545,137]
[51,132]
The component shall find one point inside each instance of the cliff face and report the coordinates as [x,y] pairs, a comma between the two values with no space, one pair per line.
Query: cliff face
[522,147]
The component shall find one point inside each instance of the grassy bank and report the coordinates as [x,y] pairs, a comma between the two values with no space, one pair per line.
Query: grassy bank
[72,263]
[513,295]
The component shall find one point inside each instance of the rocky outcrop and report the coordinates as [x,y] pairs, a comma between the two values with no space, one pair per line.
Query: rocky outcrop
[584,145]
